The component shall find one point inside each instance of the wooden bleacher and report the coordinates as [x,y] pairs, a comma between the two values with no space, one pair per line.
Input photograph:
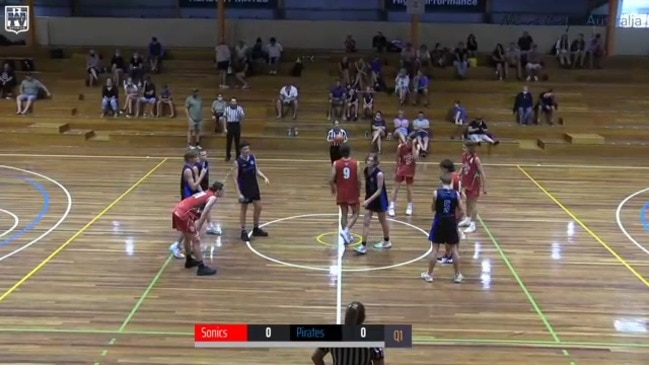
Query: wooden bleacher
[603,110]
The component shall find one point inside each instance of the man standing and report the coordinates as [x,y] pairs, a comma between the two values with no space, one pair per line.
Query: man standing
[194,112]
[233,115]
[245,176]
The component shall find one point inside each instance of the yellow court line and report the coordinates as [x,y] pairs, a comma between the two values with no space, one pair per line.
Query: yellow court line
[80,232]
[585,227]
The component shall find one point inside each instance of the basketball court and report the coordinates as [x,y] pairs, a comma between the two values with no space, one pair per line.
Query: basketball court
[557,272]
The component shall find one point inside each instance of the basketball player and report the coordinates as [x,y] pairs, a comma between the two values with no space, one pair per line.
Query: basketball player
[346,185]
[376,201]
[190,183]
[473,182]
[245,179]
[446,203]
[448,167]
[186,219]
[406,157]
[202,171]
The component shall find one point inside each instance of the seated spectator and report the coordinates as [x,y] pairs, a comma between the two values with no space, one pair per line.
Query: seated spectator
[472,45]
[478,132]
[362,73]
[375,67]
[458,113]
[439,56]
[218,110]
[378,131]
[148,98]
[30,88]
[379,42]
[514,60]
[240,69]
[155,55]
[402,86]
[92,68]
[534,65]
[343,70]
[401,125]
[109,99]
[408,57]
[351,104]
[336,101]
[117,67]
[524,107]
[132,95]
[421,128]
[461,60]
[7,82]
[258,56]
[423,59]
[136,68]
[223,58]
[334,146]
[350,44]
[288,99]
[241,51]
[562,50]
[595,51]
[546,107]
[368,103]
[578,51]
[421,88]
[165,99]
[500,61]
[274,50]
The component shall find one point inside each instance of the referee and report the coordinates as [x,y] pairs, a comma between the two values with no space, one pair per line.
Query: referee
[334,146]
[233,115]
[354,316]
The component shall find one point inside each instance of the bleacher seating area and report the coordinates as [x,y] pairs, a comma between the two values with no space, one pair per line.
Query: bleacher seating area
[603,111]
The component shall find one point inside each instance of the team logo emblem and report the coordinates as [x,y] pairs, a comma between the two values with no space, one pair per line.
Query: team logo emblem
[17,19]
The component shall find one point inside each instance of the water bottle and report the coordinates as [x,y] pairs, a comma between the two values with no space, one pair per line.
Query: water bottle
[295,132]
[290,132]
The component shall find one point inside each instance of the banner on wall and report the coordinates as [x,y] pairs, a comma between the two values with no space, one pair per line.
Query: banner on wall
[238,4]
[442,6]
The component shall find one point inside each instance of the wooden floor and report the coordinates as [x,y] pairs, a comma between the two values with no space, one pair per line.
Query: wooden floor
[551,278]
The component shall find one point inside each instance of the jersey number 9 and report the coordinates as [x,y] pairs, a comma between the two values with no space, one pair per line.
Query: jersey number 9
[346,173]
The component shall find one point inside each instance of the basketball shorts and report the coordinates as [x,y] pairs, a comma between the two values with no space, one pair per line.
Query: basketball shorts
[379,205]
[250,196]
[354,205]
[444,232]
[401,178]
[184,222]
[473,193]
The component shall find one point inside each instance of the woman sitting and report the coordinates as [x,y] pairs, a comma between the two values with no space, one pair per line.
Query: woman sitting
[378,131]
[401,125]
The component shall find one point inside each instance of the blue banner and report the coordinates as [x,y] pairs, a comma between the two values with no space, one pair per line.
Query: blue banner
[238,4]
[442,6]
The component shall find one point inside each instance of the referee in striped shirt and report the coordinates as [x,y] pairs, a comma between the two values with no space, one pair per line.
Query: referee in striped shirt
[233,115]
[334,146]
[354,316]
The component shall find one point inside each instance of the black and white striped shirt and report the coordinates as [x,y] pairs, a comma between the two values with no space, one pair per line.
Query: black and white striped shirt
[333,133]
[354,356]
[235,115]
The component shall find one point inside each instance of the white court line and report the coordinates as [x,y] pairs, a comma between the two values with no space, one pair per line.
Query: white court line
[618,219]
[339,270]
[56,225]
[15,224]
[541,165]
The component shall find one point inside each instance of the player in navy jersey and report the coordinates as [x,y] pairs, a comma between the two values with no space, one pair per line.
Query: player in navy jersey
[245,176]
[376,201]
[447,206]
[202,170]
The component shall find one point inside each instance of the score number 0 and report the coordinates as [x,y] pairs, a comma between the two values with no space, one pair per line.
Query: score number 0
[268,332]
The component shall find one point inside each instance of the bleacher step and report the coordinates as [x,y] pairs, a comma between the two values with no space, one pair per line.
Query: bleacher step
[54,128]
[585,138]
[529,144]
[85,133]
[545,142]
[100,137]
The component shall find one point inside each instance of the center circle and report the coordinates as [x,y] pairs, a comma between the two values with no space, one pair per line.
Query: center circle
[327,269]
[320,239]
[15,223]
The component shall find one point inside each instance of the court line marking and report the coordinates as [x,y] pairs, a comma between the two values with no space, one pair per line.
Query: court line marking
[15,223]
[643,216]
[541,165]
[39,217]
[320,239]
[326,269]
[56,225]
[340,252]
[618,219]
[79,233]
[583,225]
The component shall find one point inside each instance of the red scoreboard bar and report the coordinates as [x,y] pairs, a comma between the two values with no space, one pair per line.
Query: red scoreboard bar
[228,335]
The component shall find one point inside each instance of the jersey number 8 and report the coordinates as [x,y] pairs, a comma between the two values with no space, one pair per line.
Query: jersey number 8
[346,173]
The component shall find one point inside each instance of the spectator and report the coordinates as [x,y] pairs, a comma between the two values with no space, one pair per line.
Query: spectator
[478,132]
[379,42]
[92,68]
[148,97]
[421,88]
[423,59]
[136,68]
[274,50]
[7,82]
[155,55]
[402,86]
[401,125]
[534,65]
[30,89]
[258,55]
[421,127]
[524,107]
[241,51]
[288,99]
[461,60]
[109,99]
[233,115]
[351,104]
[117,67]
[334,146]
[458,113]
[472,45]
[223,57]
[240,69]
[375,67]
[408,57]
[514,60]
[595,51]
[546,107]
[165,99]
[336,101]
[368,103]
[578,51]
[525,45]
[343,70]
[194,113]
[500,61]
[132,97]
[562,50]
[350,44]
[218,109]
[439,56]
[378,131]
[362,73]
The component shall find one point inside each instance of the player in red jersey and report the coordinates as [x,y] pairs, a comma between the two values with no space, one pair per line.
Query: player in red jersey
[406,165]
[186,219]
[473,183]
[448,167]
[346,185]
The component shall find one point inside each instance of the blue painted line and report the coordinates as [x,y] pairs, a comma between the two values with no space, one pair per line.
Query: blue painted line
[643,216]
[46,207]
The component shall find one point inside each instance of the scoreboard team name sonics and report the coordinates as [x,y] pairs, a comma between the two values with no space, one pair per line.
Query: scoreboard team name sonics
[298,336]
